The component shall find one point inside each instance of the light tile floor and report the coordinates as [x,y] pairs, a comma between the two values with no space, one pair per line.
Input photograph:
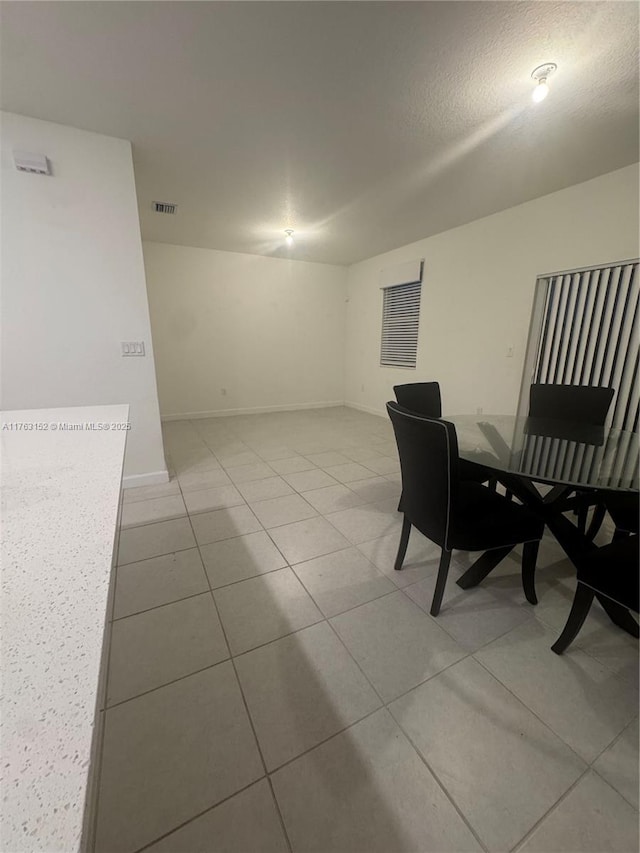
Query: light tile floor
[274,685]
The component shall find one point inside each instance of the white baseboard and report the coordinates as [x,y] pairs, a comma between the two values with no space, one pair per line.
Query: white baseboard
[153,478]
[255,410]
[369,409]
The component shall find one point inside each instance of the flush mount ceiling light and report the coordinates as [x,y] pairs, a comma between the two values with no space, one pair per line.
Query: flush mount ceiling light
[540,75]
[289,233]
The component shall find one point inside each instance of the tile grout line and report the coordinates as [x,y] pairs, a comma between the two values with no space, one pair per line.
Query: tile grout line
[454,638]
[249,504]
[327,619]
[199,815]
[158,606]
[154,520]
[324,740]
[549,811]
[613,742]
[167,683]
[244,698]
[283,825]
[548,725]
[443,786]
[232,656]
[283,636]
[204,591]
[531,711]
[613,788]
[438,781]
[576,644]
[385,706]
[164,554]
[470,654]
[520,701]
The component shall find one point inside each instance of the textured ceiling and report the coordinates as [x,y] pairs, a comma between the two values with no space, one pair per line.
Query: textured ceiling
[361,125]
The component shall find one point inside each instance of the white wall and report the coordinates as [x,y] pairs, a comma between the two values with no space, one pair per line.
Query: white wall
[73,284]
[478,290]
[269,331]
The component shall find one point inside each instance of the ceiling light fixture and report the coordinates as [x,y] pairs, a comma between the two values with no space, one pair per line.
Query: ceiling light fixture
[289,233]
[540,75]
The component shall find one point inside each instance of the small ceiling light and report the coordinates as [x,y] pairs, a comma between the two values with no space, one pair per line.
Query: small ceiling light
[540,75]
[289,233]
[540,92]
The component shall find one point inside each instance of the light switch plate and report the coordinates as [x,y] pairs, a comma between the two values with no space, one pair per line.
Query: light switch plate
[132,348]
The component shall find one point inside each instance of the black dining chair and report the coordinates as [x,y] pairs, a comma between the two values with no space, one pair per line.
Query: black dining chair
[452,512]
[424,398]
[579,404]
[612,572]
[583,404]
[624,509]
[421,397]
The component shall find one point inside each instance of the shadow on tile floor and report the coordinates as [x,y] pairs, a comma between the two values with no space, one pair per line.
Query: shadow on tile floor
[254,702]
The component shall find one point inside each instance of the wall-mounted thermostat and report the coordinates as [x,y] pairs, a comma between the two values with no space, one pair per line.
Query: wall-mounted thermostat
[35,163]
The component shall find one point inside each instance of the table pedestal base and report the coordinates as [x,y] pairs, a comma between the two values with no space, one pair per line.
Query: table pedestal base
[575,543]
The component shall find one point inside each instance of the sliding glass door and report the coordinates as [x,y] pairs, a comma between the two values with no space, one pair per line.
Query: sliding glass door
[585,330]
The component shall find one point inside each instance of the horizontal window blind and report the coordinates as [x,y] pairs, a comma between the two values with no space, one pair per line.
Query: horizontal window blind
[400,321]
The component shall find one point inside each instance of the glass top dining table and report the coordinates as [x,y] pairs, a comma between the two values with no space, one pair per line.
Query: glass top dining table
[553,452]
[573,459]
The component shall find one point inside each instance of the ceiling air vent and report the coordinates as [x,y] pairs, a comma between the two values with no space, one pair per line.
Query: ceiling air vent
[165,207]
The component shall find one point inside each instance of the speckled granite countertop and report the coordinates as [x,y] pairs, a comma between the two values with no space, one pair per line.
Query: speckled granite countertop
[60,492]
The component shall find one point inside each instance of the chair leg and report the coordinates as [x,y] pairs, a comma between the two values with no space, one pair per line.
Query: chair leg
[596,522]
[404,541]
[443,571]
[529,557]
[400,503]
[579,612]
[619,533]
[619,615]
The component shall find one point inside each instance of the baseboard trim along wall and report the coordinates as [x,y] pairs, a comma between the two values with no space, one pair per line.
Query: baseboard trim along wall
[370,410]
[254,410]
[153,478]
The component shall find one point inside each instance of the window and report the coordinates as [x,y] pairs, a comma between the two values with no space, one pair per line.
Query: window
[400,320]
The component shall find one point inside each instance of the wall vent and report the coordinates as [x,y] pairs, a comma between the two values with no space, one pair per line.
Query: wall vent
[165,207]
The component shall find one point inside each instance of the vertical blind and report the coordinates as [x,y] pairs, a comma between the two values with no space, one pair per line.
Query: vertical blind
[616,459]
[590,335]
[400,321]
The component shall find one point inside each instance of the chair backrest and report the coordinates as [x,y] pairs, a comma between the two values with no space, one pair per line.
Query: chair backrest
[420,397]
[578,403]
[428,450]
